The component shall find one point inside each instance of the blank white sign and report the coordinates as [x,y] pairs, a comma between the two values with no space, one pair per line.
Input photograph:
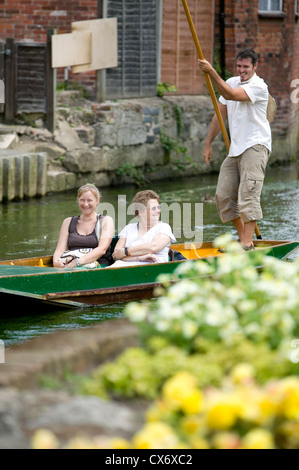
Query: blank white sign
[103,43]
[71,49]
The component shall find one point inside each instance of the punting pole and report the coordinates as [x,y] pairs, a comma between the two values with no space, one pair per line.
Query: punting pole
[210,87]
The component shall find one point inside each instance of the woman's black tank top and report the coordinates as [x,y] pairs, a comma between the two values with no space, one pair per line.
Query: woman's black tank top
[77,241]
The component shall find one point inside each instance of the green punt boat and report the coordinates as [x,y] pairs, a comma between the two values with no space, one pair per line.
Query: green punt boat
[35,279]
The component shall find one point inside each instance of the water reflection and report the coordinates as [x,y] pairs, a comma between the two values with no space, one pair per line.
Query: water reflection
[31,228]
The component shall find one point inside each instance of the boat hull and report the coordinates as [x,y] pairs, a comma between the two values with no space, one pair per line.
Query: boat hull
[36,280]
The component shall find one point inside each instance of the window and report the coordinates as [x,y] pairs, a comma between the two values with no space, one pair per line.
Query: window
[270,6]
[297,7]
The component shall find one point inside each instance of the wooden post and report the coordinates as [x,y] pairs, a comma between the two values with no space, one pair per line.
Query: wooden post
[101,74]
[50,84]
[10,75]
[2,55]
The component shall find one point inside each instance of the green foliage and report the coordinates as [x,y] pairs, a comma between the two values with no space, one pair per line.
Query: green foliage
[170,144]
[142,372]
[129,169]
[165,87]
[216,316]
[173,145]
[179,119]
[227,300]
[66,85]
[215,356]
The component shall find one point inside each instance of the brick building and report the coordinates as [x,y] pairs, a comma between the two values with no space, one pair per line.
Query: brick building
[28,20]
[155,44]
[164,20]
[272,29]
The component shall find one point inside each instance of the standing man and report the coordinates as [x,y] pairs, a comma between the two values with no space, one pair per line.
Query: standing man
[244,101]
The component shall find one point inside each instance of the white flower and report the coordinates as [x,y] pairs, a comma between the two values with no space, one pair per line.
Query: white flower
[252,328]
[247,305]
[214,319]
[250,273]
[230,331]
[223,240]
[163,278]
[203,268]
[189,328]
[136,312]
[287,323]
[234,294]
[229,313]
[230,263]
[184,268]
[162,325]
[182,290]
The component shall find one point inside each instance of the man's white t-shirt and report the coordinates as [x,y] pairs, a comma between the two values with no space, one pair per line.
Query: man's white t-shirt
[130,233]
[248,123]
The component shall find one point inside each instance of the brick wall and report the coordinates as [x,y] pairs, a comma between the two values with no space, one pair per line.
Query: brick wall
[276,42]
[29,19]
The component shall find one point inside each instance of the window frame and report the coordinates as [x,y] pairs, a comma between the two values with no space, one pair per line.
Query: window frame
[272,12]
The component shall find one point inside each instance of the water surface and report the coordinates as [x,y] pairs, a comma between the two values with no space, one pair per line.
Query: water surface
[31,228]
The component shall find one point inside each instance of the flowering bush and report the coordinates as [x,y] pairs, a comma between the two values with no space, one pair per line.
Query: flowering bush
[141,372]
[239,415]
[216,359]
[227,300]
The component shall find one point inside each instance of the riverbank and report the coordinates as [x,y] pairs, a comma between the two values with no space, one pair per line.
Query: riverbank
[134,141]
[25,407]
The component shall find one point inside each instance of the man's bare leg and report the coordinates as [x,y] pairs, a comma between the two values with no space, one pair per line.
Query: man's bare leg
[239,224]
[248,233]
[245,231]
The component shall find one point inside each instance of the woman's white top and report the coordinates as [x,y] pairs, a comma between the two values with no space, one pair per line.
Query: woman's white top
[131,234]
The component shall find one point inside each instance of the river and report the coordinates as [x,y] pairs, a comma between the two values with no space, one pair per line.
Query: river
[30,228]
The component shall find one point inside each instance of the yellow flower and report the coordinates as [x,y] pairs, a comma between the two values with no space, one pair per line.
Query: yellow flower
[119,443]
[268,405]
[198,442]
[258,438]
[159,411]
[226,440]
[156,436]
[44,439]
[222,412]
[181,393]
[242,373]
[81,442]
[192,424]
[249,399]
[289,404]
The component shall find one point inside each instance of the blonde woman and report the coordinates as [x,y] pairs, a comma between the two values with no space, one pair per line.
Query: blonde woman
[88,231]
[148,240]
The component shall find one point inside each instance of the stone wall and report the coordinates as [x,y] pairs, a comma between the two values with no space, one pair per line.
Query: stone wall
[131,141]
[128,141]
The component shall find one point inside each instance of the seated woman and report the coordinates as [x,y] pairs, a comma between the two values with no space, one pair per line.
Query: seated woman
[80,232]
[148,240]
